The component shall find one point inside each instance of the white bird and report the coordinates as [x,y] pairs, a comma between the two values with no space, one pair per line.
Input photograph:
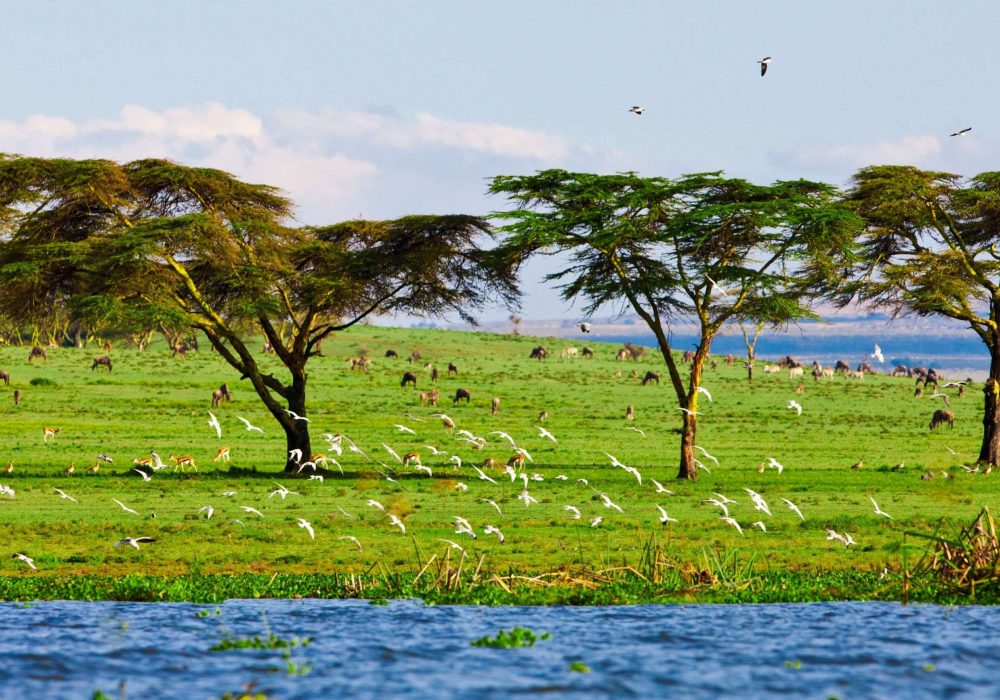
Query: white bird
[760,524]
[157,462]
[583,481]
[104,458]
[703,390]
[133,541]
[731,521]
[346,514]
[295,455]
[208,510]
[961,132]
[302,522]
[632,427]
[522,451]
[878,354]
[254,511]
[724,499]
[453,544]
[562,477]
[660,488]
[758,501]
[585,327]
[249,425]
[144,475]
[491,530]
[947,399]
[354,448]
[794,508]
[422,468]
[845,539]
[574,510]
[689,412]
[634,472]
[664,518]
[707,455]
[392,452]
[764,63]
[63,494]
[879,511]
[483,475]
[542,432]
[718,504]
[296,416]
[700,465]
[213,422]
[464,527]
[456,460]
[306,465]
[228,494]
[494,504]
[614,461]
[501,433]
[775,464]
[396,522]
[435,451]
[596,521]
[462,486]
[527,498]
[404,429]
[792,403]
[125,507]
[282,491]
[608,503]
[353,539]
[375,504]
[509,471]
[634,109]
[25,558]
[316,477]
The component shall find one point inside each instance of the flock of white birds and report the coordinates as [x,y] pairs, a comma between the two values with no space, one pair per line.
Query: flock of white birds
[490,491]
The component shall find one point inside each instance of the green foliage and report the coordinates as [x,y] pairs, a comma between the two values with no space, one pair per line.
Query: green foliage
[42,381]
[256,642]
[513,639]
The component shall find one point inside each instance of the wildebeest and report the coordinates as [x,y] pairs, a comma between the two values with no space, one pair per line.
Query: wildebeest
[37,351]
[587,352]
[688,357]
[360,363]
[495,406]
[730,359]
[180,349]
[434,375]
[391,353]
[409,378]
[5,377]
[414,356]
[538,353]
[651,377]
[866,367]
[841,366]
[221,394]
[452,369]
[542,415]
[17,397]
[461,394]
[942,416]
[630,412]
[103,361]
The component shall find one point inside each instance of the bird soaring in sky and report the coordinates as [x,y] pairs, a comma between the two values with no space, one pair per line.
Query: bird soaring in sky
[878,354]
[961,132]
[133,541]
[764,63]
[213,422]
[249,425]
[585,327]
[634,109]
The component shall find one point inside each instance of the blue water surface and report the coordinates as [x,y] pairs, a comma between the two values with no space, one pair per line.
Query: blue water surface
[409,650]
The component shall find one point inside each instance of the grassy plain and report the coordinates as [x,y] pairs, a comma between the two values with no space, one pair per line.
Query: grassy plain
[153,401]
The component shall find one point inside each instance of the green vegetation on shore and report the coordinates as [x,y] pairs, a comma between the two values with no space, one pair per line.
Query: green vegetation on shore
[153,401]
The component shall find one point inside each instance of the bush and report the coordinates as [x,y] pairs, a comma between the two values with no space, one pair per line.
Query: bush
[42,381]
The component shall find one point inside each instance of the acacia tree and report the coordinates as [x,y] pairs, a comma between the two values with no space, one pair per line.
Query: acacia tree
[197,248]
[700,247]
[929,247]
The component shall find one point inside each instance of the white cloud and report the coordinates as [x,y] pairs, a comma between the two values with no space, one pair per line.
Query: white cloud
[912,149]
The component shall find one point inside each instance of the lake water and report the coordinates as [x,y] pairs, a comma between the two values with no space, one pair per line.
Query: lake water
[409,650]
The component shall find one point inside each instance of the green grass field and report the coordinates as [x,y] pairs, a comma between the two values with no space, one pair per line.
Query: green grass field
[153,401]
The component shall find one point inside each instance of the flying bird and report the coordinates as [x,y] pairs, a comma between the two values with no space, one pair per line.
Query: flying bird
[732,521]
[878,354]
[689,412]
[453,544]
[464,527]
[249,425]
[104,458]
[703,390]
[660,488]
[213,422]
[772,463]
[144,475]
[353,539]
[404,429]
[961,132]
[633,428]
[296,416]
[125,507]
[664,518]
[208,510]
[542,432]
[760,524]
[792,403]
[705,452]
[375,504]
[758,501]
[63,494]
[585,327]
[254,511]
[302,522]
[494,504]
[133,541]
[596,521]
[634,109]
[491,530]
[764,63]
[295,455]
[25,558]
[396,522]
[574,510]
[608,503]
[717,286]
[879,511]
[484,476]
[527,498]
[794,508]
[392,452]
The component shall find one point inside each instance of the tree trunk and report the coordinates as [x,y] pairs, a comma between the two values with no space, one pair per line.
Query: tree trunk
[989,453]
[688,468]
[297,431]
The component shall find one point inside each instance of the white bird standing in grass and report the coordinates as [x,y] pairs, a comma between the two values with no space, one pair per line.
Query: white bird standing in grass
[63,494]
[794,508]
[249,425]
[25,558]
[792,403]
[213,422]
[302,522]
[125,507]
[133,542]
[879,511]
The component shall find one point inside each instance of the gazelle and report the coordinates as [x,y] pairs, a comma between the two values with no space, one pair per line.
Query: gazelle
[221,456]
[183,460]
[319,459]
[411,458]
[49,434]
[517,461]
[143,462]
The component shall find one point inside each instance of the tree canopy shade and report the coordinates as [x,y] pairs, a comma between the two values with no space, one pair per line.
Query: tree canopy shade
[198,248]
[929,247]
[702,246]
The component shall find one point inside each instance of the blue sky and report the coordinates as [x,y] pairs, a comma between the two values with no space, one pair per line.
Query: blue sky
[390,108]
